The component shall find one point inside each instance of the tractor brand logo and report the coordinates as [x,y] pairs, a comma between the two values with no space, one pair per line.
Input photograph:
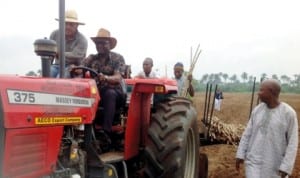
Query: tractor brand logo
[37,98]
[57,120]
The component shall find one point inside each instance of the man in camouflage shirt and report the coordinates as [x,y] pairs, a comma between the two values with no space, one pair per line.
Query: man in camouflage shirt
[108,64]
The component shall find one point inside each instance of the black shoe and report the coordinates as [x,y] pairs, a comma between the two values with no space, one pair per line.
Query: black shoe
[104,140]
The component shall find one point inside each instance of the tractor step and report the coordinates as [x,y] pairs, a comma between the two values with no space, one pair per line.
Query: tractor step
[112,157]
[108,169]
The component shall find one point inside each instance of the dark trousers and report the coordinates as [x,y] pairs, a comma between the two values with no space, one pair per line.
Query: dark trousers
[109,101]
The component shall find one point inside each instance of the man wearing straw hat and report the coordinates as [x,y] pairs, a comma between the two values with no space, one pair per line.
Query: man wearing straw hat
[75,43]
[108,64]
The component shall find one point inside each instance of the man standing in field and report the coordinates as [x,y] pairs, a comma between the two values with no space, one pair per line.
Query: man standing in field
[218,99]
[269,144]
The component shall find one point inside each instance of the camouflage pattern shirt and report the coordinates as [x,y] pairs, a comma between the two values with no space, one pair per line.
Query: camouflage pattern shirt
[106,66]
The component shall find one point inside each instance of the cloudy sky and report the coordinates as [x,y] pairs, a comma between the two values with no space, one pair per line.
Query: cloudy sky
[257,36]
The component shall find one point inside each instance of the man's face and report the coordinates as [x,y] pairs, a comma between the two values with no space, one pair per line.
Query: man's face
[178,72]
[103,46]
[264,93]
[71,28]
[147,66]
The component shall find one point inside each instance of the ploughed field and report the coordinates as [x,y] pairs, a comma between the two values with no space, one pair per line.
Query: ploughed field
[235,110]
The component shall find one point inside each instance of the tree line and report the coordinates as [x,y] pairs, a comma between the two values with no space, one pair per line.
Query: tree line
[245,82]
[235,83]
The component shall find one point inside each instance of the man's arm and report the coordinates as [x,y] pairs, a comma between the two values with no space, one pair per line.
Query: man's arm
[244,142]
[116,77]
[141,74]
[122,64]
[111,79]
[289,158]
[78,50]
[190,89]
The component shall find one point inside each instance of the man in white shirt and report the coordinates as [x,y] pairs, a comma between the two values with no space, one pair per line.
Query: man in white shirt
[269,144]
[147,69]
[181,79]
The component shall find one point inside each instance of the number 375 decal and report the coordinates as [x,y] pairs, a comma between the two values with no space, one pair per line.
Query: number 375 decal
[21,97]
[24,97]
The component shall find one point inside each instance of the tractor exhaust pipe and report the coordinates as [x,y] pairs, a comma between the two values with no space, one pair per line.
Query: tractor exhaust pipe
[47,49]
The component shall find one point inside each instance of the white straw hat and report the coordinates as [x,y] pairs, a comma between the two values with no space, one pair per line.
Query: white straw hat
[71,16]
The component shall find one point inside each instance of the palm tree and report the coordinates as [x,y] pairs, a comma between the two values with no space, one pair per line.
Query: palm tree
[217,78]
[204,78]
[285,79]
[274,76]
[233,78]
[263,76]
[211,78]
[297,79]
[244,76]
[250,79]
[225,77]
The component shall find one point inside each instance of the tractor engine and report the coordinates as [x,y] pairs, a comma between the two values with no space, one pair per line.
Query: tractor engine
[41,118]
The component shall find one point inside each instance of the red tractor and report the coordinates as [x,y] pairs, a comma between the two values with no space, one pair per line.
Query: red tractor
[46,130]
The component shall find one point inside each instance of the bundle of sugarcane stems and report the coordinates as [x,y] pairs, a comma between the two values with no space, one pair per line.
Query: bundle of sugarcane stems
[194,59]
[225,133]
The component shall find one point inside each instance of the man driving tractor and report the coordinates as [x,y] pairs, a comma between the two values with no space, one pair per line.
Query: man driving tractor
[108,65]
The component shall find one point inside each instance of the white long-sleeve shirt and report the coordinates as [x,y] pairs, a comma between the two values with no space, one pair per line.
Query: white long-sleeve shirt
[152,74]
[270,141]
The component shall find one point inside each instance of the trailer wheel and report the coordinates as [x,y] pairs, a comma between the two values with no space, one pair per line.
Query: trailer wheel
[172,147]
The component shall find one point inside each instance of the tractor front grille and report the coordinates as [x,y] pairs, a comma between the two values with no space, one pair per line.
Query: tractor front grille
[28,153]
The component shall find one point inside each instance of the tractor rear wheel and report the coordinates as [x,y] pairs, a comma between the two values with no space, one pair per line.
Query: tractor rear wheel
[172,147]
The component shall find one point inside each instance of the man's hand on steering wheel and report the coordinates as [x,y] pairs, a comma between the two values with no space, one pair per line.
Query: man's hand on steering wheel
[102,77]
[81,71]
[75,71]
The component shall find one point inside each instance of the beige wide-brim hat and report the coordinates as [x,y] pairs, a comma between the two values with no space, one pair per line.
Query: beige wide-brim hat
[104,34]
[71,16]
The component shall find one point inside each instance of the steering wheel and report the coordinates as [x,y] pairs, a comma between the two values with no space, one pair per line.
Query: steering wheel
[94,74]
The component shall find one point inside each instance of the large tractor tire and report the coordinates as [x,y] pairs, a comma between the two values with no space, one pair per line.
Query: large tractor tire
[172,147]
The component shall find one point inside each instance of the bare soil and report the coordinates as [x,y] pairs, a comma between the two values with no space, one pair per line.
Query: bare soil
[235,109]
